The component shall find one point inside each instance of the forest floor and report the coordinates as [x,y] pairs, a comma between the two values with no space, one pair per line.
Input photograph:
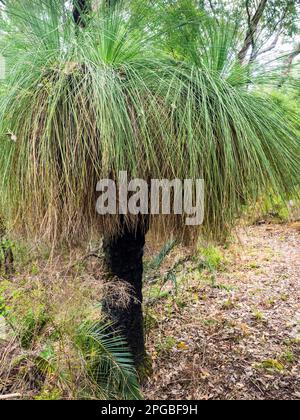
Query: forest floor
[232,330]
[221,322]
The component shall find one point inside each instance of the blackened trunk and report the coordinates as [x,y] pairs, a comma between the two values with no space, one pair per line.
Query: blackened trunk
[253,24]
[124,259]
[81,8]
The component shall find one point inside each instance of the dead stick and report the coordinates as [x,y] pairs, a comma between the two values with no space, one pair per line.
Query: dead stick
[10,396]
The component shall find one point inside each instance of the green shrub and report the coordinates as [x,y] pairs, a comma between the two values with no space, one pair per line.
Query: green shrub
[66,349]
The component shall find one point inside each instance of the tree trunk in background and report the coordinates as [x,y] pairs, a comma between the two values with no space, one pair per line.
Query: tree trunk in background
[253,23]
[124,259]
[289,64]
[8,256]
[81,9]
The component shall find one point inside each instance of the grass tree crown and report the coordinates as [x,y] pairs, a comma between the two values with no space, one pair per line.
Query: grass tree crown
[81,106]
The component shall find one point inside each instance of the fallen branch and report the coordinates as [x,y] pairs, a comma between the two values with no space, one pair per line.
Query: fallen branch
[10,396]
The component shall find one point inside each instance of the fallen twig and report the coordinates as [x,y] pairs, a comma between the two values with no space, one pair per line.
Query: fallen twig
[10,396]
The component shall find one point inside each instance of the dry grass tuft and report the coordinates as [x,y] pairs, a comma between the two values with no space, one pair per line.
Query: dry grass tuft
[57,343]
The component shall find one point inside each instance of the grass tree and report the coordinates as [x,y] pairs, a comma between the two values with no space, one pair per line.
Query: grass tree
[84,104]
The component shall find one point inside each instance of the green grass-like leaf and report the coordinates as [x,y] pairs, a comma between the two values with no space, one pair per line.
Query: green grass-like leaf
[79,106]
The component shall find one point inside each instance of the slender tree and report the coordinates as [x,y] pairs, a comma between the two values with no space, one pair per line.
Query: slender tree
[85,104]
[123,254]
[288,65]
[81,10]
[253,22]
[7,252]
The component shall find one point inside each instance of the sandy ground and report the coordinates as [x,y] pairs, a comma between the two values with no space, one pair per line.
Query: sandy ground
[233,334]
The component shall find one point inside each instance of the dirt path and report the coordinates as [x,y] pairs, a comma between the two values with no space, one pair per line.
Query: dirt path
[236,336]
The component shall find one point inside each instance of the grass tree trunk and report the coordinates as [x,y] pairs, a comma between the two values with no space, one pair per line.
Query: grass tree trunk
[81,9]
[124,259]
[253,23]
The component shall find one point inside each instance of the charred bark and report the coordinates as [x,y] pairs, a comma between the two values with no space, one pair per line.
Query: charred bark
[124,259]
